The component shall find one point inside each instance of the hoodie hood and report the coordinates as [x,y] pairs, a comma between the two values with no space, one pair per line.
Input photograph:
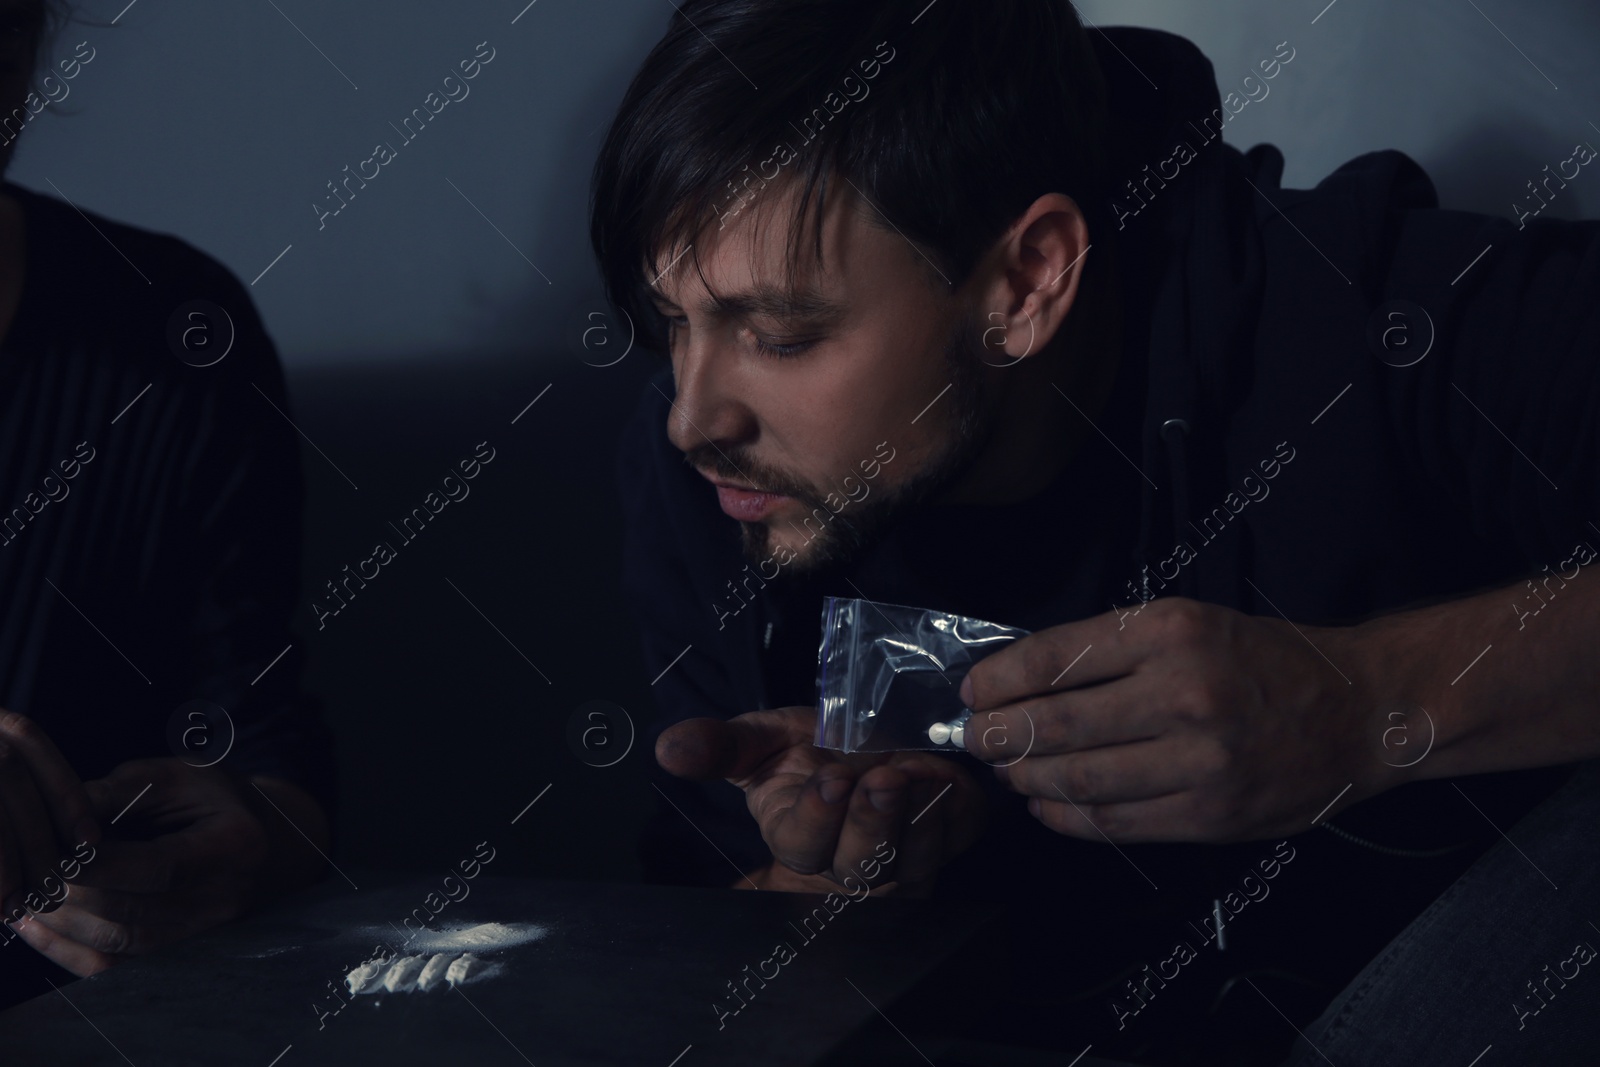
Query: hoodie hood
[1190,266]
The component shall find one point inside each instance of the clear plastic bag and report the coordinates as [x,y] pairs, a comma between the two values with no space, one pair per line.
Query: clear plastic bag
[889,676]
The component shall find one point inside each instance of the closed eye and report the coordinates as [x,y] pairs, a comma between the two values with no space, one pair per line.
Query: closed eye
[769,349]
[776,351]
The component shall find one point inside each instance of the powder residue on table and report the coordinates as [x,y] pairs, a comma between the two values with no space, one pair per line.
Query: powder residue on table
[484,937]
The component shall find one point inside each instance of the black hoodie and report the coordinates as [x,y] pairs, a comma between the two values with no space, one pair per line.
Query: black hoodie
[1283,469]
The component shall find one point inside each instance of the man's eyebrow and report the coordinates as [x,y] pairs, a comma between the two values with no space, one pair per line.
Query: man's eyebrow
[769,300]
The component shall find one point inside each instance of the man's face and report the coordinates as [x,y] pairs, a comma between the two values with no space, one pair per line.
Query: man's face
[873,404]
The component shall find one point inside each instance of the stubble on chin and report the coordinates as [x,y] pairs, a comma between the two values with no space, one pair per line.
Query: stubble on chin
[850,531]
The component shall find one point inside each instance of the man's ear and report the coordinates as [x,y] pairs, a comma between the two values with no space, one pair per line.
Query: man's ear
[1032,279]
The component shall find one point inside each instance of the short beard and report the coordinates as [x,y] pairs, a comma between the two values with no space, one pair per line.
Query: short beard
[844,536]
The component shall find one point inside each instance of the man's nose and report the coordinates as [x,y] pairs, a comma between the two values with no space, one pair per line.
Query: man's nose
[707,408]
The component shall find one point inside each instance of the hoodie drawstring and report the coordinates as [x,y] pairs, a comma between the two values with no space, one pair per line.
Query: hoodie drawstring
[1175,432]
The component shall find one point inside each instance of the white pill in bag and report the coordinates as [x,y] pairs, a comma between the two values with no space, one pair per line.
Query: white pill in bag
[889,676]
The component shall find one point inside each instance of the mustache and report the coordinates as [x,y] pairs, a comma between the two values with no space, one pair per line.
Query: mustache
[739,467]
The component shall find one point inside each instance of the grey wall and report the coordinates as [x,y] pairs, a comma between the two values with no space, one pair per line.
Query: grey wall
[413,327]
[1442,80]
[220,122]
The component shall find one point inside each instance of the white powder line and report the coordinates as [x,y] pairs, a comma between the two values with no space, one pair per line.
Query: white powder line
[685,1052]
[285,1052]
[482,937]
[521,13]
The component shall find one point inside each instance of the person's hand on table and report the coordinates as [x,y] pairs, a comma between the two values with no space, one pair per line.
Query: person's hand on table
[825,815]
[1184,721]
[192,848]
[44,814]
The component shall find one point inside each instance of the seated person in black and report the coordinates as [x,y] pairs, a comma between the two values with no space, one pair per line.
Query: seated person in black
[160,771]
[963,312]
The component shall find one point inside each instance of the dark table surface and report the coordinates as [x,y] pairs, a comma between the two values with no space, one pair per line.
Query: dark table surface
[625,974]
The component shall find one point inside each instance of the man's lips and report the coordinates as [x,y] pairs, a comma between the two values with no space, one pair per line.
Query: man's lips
[746,505]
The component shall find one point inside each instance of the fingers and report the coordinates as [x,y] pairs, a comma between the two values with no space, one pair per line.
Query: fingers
[872,833]
[155,866]
[804,833]
[224,841]
[59,787]
[80,959]
[707,749]
[1075,654]
[922,848]
[28,847]
[1127,709]
[961,808]
[1114,774]
[128,924]
[133,792]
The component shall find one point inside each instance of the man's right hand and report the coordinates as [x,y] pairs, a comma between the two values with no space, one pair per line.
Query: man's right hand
[824,813]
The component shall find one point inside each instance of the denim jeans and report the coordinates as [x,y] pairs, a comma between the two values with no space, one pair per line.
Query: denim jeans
[1501,966]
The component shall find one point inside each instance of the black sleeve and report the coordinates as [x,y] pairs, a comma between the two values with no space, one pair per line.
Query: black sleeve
[702,833]
[1504,412]
[240,512]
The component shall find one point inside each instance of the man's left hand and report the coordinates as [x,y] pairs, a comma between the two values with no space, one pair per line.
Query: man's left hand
[195,849]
